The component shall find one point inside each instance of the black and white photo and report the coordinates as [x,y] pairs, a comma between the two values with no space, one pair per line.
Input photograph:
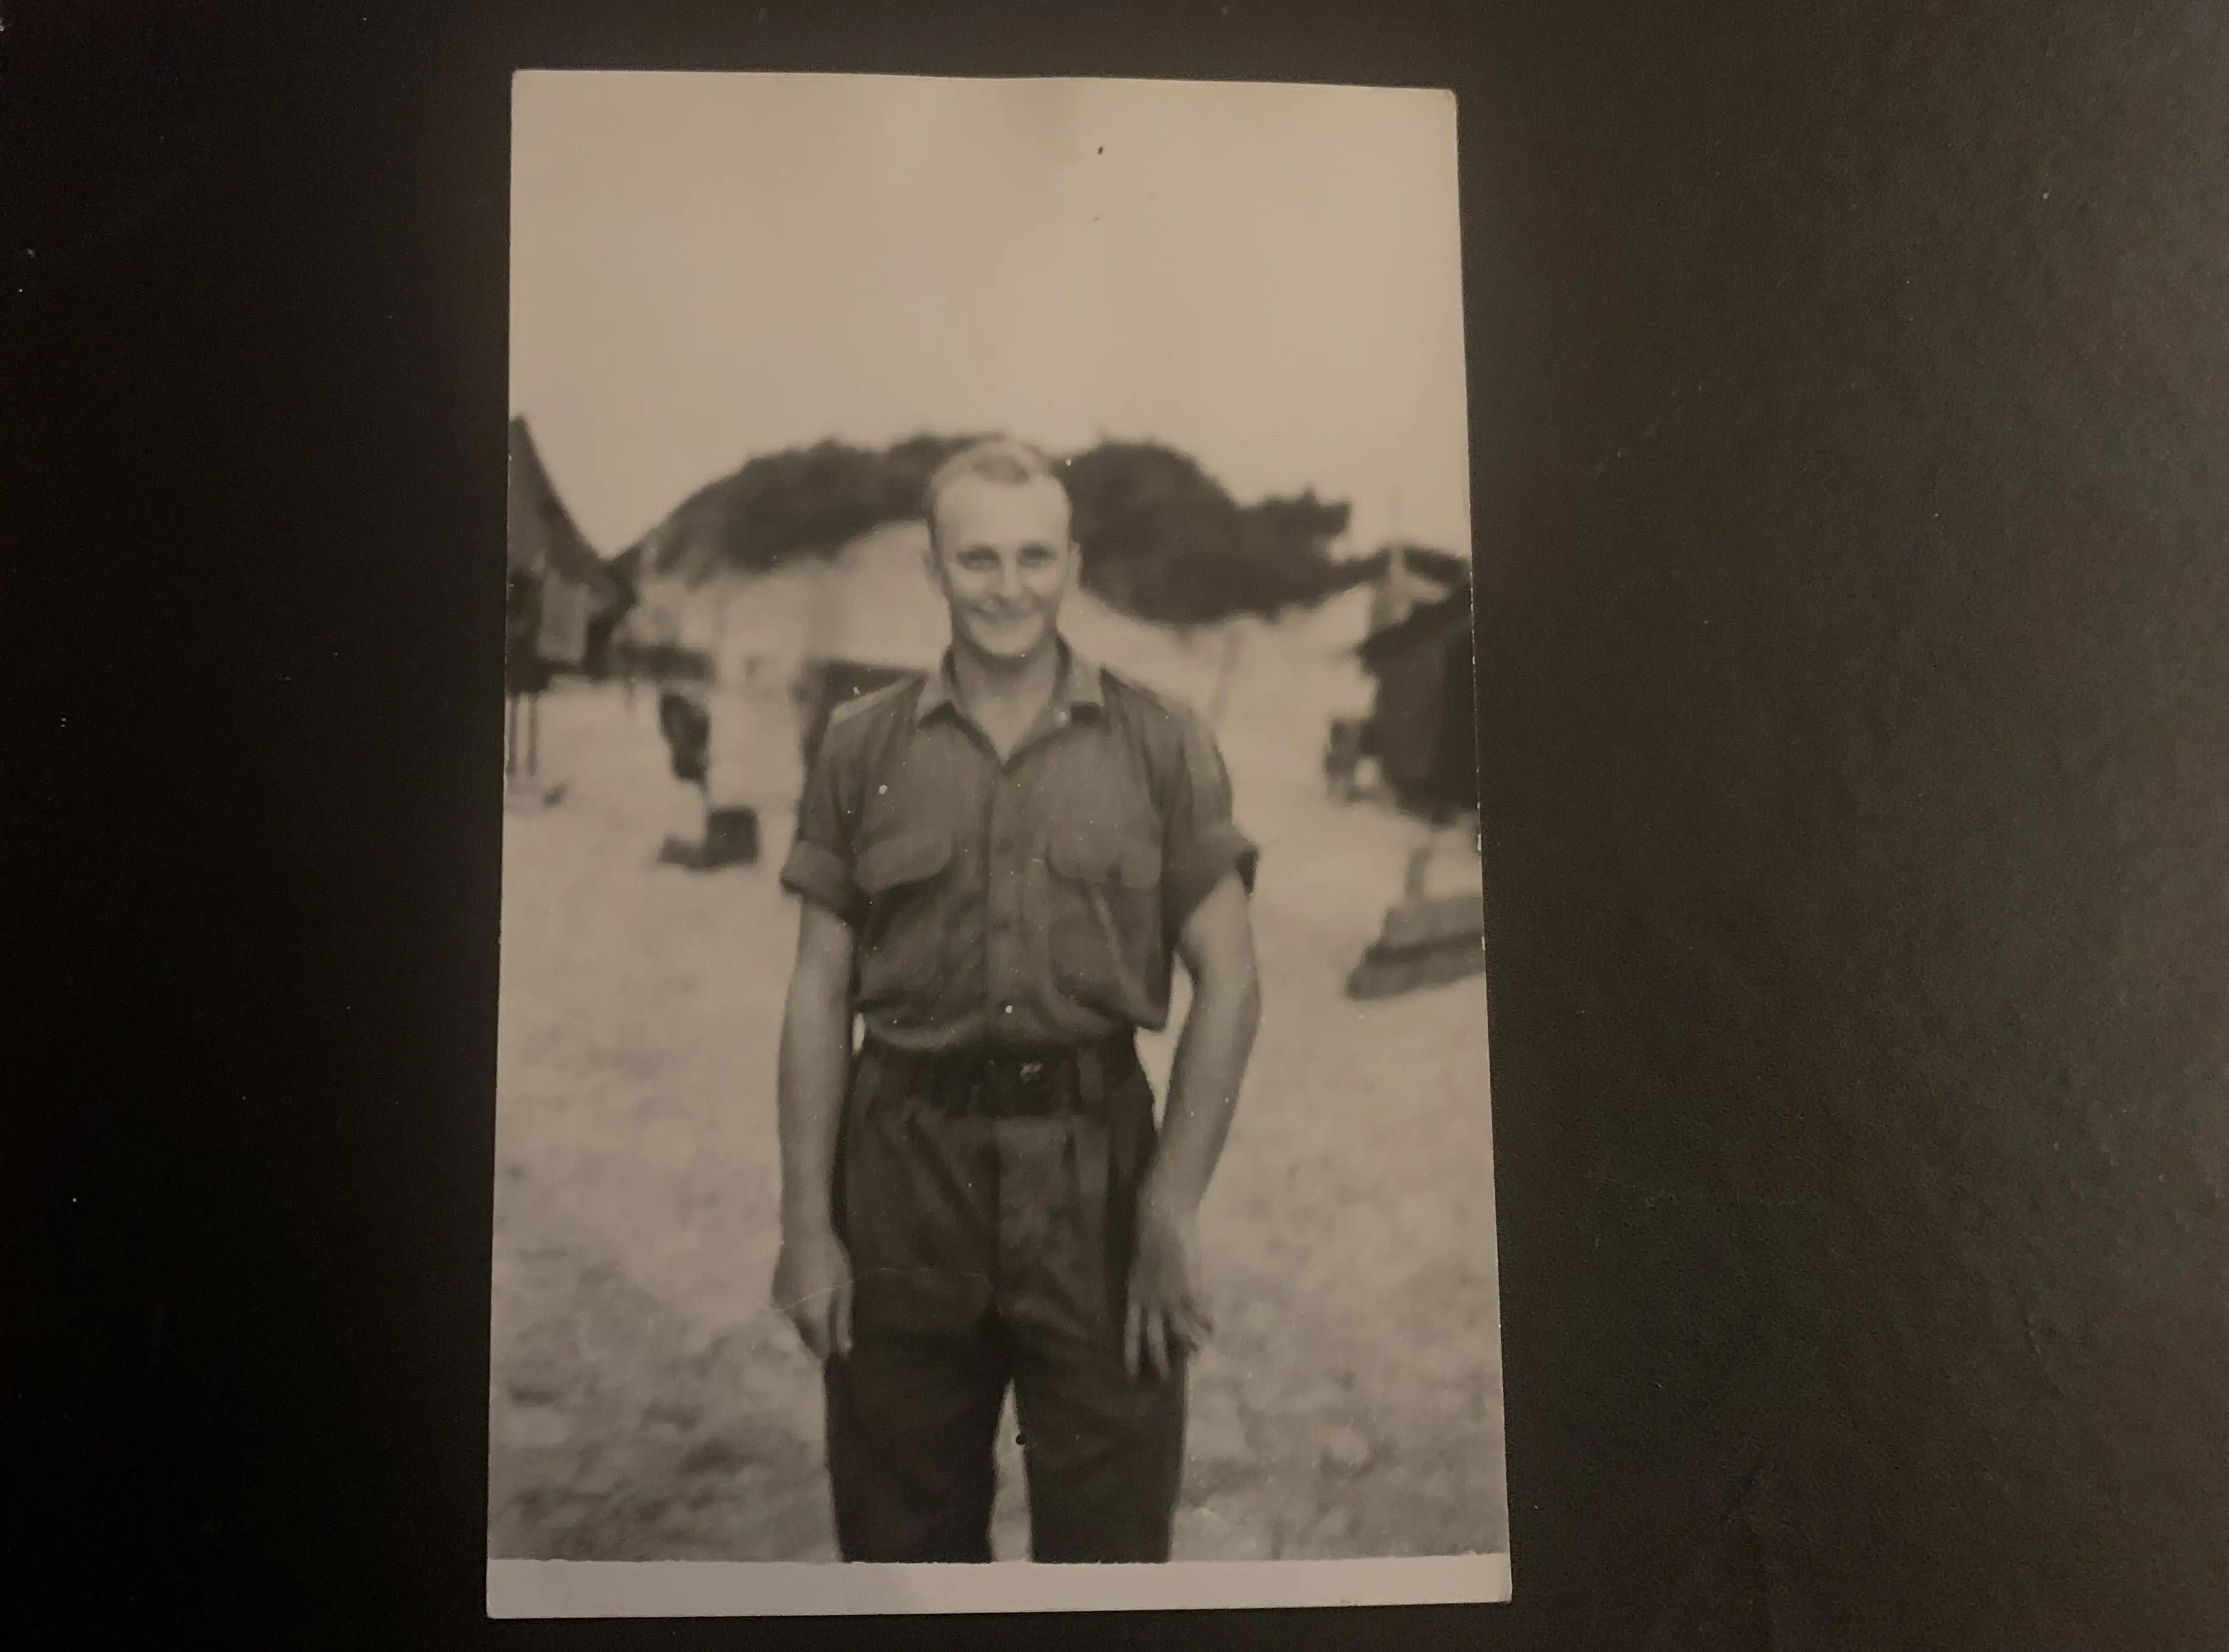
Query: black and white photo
[991,1110]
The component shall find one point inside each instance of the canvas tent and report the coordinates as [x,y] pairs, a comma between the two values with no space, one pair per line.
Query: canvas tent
[872,615]
[563,597]
[1407,577]
[1423,731]
[1423,727]
[560,603]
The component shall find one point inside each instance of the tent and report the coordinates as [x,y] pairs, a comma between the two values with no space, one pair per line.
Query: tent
[1405,578]
[1424,726]
[871,617]
[1423,731]
[561,599]
[564,598]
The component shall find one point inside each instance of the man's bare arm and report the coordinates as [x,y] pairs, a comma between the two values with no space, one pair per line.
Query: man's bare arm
[812,1277]
[1167,1304]
[1212,1049]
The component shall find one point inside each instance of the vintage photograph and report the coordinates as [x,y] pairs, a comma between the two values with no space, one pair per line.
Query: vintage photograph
[991,1104]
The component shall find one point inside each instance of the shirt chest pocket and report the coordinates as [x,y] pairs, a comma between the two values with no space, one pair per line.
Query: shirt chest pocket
[906,879]
[1103,930]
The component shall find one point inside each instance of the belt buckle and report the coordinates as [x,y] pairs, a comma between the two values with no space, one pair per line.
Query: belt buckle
[1008,1087]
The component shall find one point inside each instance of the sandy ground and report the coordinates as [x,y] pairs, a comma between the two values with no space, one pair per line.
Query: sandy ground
[647,1401]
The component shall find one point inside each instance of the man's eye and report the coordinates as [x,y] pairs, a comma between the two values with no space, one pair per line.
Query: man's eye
[1037,555]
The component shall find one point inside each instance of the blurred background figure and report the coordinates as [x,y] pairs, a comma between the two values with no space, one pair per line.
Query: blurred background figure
[731,835]
[688,730]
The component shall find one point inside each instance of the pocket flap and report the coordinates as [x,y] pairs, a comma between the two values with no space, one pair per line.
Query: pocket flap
[1107,858]
[906,859]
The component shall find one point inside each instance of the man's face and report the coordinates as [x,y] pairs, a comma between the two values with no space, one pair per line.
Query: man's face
[1001,553]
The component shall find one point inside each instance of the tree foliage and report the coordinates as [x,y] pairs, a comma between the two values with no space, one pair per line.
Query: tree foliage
[1161,538]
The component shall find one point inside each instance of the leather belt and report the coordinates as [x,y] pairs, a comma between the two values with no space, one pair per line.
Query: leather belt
[1007,1083]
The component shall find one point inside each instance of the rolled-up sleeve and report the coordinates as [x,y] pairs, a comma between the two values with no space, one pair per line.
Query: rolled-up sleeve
[819,866]
[1202,842]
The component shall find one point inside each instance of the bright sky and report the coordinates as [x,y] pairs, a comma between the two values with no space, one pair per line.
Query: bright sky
[706,267]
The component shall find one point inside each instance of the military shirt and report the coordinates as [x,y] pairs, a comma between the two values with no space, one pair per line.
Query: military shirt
[1029,903]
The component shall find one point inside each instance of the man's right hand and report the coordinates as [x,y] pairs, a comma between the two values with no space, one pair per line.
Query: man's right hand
[812,1286]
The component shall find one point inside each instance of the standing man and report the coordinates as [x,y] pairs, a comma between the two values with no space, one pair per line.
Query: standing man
[998,863]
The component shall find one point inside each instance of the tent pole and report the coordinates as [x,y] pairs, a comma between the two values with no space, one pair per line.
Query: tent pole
[1226,670]
[533,735]
[511,735]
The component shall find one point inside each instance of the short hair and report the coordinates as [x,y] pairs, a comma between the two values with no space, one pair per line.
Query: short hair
[1000,458]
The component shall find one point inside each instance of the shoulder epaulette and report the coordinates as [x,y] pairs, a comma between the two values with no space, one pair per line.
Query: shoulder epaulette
[859,705]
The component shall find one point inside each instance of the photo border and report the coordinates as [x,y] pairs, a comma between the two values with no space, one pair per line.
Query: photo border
[560,1589]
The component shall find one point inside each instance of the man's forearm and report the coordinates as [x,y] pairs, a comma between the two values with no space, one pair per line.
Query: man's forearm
[816,1058]
[1211,1061]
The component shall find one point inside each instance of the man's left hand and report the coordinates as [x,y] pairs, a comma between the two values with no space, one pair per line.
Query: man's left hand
[1167,1316]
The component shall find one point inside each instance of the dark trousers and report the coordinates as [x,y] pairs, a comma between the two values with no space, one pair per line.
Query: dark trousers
[985,1252]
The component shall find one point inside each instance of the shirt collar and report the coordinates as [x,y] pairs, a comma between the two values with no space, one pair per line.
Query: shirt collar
[1082,686]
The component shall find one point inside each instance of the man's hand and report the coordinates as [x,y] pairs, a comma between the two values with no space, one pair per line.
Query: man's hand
[813,1285]
[1167,1315]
